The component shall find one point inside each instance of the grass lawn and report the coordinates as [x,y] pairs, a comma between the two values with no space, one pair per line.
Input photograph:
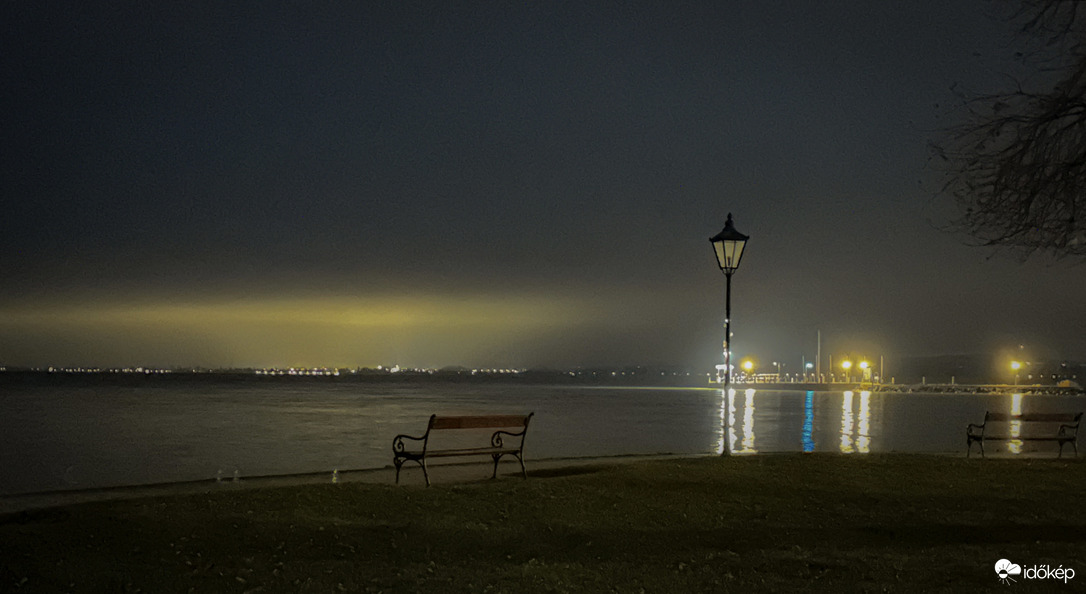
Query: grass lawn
[770,523]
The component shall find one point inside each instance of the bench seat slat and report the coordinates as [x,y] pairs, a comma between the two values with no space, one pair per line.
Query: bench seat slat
[479,422]
[470,452]
[1035,417]
[1024,438]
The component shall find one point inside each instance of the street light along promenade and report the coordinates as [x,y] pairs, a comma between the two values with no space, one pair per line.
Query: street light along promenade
[728,246]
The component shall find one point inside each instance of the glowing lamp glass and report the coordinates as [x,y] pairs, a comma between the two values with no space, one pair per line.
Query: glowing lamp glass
[728,245]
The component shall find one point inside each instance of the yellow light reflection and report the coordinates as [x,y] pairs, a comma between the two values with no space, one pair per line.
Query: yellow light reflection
[1014,446]
[748,424]
[846,423]
[723,420]
[863,426]
[731,419]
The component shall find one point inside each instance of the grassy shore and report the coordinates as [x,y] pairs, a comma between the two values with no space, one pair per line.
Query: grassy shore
[770,523]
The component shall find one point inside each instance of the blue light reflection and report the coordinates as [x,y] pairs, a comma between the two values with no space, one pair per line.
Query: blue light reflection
[808,422]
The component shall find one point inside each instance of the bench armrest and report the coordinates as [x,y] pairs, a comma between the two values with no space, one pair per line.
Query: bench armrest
[1064,429]
[397,442]
[496,439]
[973,426]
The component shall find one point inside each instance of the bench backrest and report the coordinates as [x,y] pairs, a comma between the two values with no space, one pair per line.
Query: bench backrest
[479,422]
[1034,417]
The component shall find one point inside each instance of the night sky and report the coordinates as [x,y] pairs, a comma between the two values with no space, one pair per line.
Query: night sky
[511,184]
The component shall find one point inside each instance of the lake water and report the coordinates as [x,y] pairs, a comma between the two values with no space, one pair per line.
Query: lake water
[77,432]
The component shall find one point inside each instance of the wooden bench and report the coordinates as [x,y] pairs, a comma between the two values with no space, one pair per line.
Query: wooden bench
[1058,427]
[420,452]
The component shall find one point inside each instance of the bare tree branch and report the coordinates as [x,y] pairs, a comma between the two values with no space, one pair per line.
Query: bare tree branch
[1017,165]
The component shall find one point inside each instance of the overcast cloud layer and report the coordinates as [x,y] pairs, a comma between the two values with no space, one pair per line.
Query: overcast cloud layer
[518,184]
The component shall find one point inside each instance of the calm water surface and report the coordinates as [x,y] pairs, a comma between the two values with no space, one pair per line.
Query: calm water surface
[84,433]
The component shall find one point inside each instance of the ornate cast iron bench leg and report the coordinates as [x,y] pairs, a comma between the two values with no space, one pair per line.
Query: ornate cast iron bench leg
[497,457]
[1074,447]
[399,464]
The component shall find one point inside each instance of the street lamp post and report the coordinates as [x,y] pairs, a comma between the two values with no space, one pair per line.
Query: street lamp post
[728,245]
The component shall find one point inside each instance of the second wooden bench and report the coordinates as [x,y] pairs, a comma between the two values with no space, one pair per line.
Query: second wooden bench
[1061,428]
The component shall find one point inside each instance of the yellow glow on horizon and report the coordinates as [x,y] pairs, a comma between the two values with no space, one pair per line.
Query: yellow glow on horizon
[371,312]
[305,331]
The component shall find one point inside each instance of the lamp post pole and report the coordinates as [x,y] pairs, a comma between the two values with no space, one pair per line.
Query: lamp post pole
[728,328]
[728,246]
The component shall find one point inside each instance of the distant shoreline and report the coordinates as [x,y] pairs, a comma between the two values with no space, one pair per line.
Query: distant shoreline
[919,388]
[595,378]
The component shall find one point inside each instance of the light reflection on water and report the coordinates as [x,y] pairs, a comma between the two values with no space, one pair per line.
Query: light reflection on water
[731,420]
[846,423]
[863,427]
[856,429]
[1014,446]
[746,446]
[724,424]
[808,422]
[748,424]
